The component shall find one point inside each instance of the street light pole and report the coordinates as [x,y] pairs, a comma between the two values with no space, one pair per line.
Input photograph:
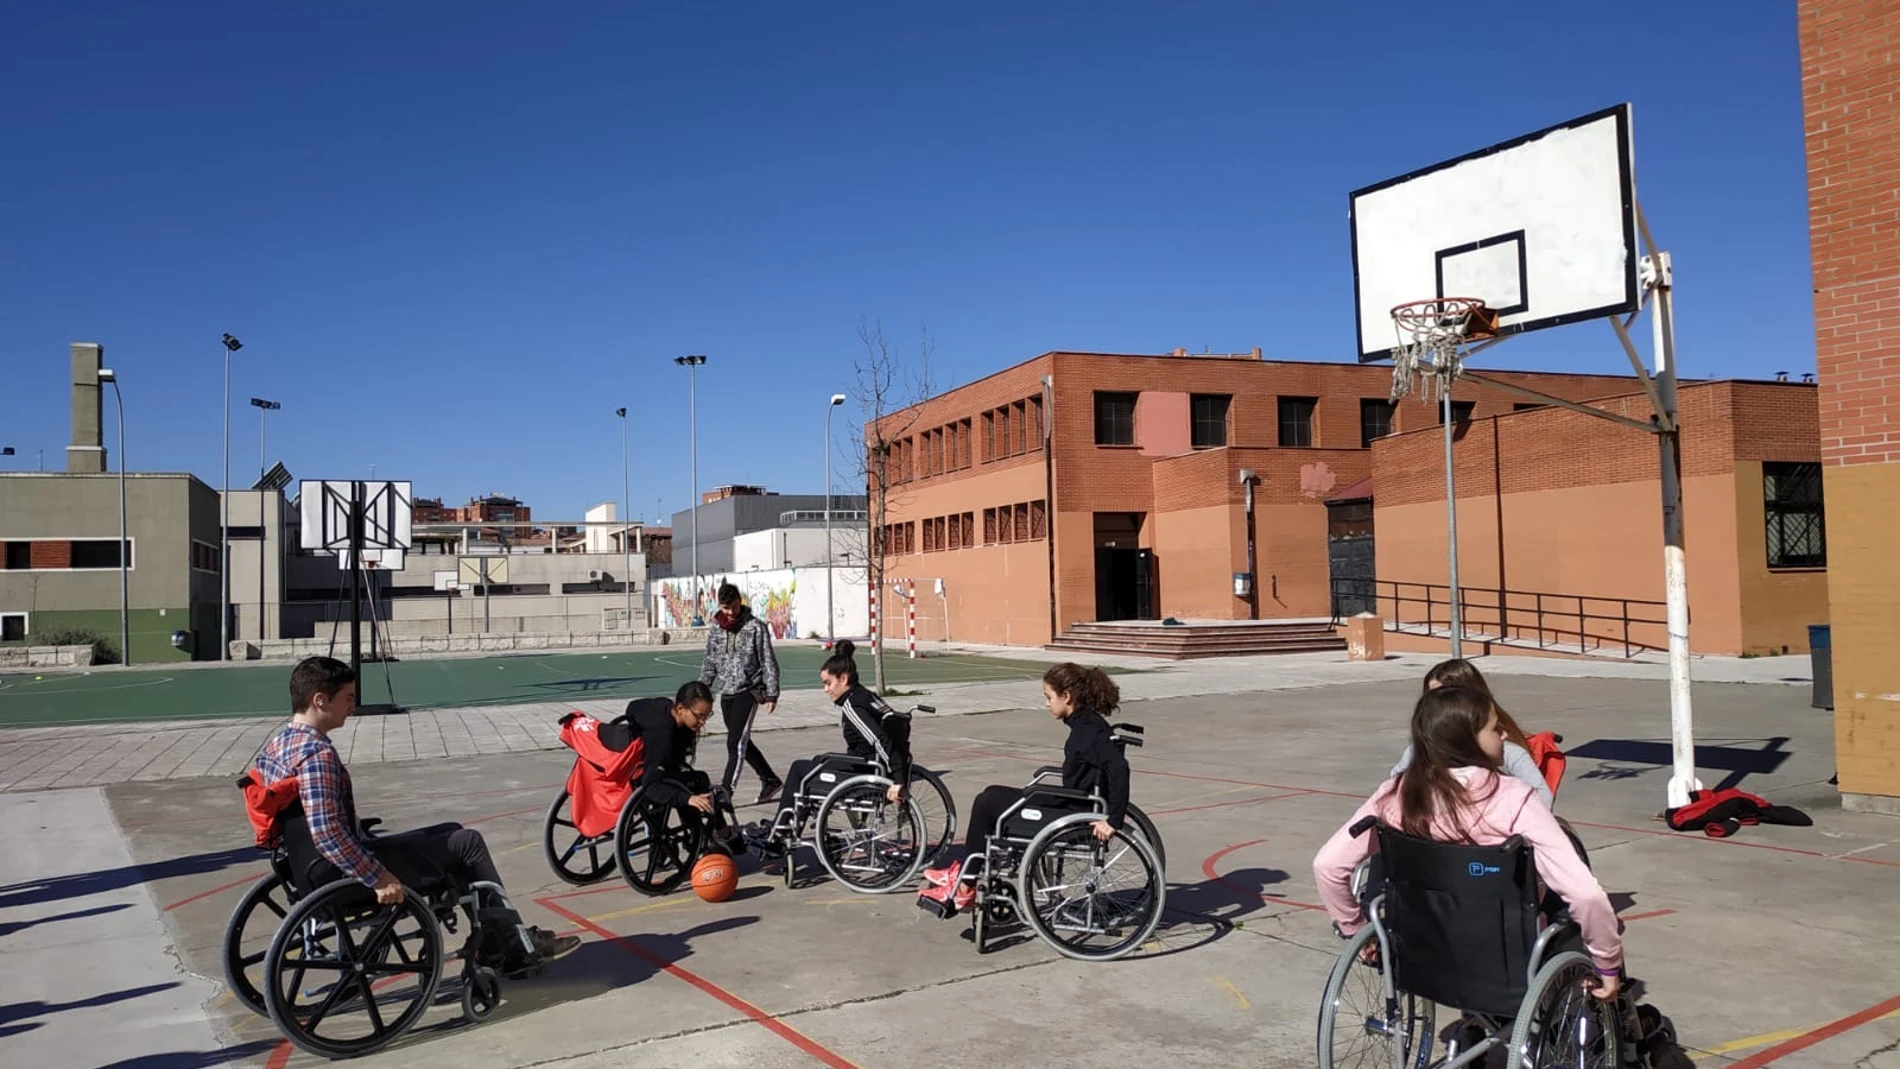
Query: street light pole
[264,408]
[125,601]
[692,364]
[626,528]
[831,612]
[231,345]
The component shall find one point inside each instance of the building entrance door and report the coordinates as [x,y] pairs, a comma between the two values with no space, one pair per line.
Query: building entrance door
[1124,571]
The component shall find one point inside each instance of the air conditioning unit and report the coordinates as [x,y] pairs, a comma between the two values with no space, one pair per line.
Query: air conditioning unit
[593,575]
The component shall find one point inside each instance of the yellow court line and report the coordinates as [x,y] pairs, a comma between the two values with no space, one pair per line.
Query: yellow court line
[1768,1037]
[648,908]
[1239,999]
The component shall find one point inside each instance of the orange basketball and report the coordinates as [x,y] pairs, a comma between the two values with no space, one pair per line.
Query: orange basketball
[715,877]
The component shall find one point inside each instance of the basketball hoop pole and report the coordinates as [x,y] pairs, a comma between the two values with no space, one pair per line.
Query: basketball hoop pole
[1451,522]
[1660,279]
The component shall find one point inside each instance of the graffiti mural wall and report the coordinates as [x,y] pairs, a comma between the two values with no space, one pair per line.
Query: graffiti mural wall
[791,601]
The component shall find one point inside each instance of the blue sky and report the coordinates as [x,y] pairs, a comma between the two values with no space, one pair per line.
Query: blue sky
[454,237]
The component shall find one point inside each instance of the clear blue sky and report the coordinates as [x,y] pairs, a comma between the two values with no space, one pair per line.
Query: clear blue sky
[455,236]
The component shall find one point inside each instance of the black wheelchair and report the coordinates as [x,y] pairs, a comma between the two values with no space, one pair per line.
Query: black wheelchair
[1090,899]
[656,844]
[839,811]
[342,975]
[1468,928]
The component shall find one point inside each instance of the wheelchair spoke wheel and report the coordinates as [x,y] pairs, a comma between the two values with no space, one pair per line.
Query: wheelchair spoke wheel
[936,810]
[1091,900]
[1561,1025]
[864,841]
[655,845]
[1359,1026]
[345,977]
[1148,831]
[577,859]
[247,938]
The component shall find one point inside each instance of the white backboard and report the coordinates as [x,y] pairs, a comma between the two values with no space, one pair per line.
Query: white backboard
[325,509]
[388,560]
[1541,227]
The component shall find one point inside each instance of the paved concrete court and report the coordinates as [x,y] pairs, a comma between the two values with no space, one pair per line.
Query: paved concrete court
[1772,948]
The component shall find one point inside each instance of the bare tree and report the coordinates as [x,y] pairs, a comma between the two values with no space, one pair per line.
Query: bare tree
[890,392]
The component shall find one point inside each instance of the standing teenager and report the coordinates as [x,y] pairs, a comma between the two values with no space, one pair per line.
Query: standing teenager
[739,654]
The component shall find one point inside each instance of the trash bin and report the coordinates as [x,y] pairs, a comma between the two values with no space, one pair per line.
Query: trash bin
[1821,655]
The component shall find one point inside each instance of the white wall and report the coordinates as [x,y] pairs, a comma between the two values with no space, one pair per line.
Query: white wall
[600,539]
[790,600]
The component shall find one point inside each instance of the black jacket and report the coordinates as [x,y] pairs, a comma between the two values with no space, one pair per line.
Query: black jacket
[876,732]
[1092,761]
[668,749]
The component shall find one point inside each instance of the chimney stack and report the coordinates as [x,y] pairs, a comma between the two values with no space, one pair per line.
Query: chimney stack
[87,453]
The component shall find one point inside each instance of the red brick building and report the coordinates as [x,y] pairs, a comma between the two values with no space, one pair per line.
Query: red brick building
[1114,491]
[1850,84]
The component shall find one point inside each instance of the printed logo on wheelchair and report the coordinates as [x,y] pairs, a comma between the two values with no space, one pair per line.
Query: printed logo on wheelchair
[1479,868]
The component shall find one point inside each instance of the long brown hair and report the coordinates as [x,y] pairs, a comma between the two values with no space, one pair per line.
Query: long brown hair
[1088,688]
[1459,672]
[1445,727]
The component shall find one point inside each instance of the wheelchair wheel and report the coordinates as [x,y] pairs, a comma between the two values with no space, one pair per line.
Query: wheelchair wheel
[937,810]
[1148,831]
[864,841]
[655,845]
[1560,1023]
[1360,1025]
[561,842]
[247,938]
[1091,900]
[345,977]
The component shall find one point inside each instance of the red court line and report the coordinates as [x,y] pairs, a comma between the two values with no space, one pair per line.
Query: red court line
[1223,805]
[220,889]
[1207,869]
[508,813]
[1646,916]
[1825,1032]
[777,1027]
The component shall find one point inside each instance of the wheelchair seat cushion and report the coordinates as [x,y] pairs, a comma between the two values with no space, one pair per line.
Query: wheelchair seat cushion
[1042,807]
[1463,919]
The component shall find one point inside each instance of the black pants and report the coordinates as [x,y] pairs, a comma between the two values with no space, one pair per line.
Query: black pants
[801,768]
[993,802]
[738,710]
[416,855]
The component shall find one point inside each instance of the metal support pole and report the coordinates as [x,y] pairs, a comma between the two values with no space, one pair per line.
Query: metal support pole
[831,611]
[224,525]
[626,528]
[1682,779]
[356,577]
[1451,522]
[125,601]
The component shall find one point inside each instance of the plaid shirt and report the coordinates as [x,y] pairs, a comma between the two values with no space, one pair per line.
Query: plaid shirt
[323,788]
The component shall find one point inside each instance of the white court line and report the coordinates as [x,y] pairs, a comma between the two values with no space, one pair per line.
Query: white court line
[93,690]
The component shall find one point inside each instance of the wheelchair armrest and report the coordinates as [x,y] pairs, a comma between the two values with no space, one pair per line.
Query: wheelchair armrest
[1364,825]
[1044,773]
[924,708]
[366,825]
[1132,729]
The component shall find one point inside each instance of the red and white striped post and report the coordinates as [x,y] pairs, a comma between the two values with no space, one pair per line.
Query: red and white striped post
[910,617]
[877,622]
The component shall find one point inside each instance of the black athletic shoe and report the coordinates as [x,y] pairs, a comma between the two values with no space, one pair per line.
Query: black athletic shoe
[769,792]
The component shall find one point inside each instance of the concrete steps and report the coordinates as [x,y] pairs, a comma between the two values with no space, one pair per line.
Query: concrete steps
[1191,639]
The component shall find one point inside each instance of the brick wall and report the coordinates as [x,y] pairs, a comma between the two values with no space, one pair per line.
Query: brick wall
[1850,82]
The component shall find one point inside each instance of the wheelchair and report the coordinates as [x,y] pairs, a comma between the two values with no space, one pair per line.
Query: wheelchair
[1486,944]
[1042,865]
[339,974]
[840,813]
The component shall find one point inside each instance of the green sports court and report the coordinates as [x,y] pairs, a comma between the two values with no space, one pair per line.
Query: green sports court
[42,699]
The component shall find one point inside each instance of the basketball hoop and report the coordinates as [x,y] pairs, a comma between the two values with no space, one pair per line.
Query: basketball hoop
[1433,335]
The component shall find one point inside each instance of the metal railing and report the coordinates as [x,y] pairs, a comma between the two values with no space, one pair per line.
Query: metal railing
[1579,623]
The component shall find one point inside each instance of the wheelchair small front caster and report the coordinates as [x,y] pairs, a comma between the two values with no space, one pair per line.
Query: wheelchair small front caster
[481,993]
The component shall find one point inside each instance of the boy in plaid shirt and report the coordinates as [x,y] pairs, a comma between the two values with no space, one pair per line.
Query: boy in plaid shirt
[322,696]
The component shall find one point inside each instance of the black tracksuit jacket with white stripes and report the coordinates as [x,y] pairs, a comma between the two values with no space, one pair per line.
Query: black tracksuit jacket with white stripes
[876,732]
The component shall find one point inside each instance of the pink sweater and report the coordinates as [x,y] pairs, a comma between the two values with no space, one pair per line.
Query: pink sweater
[1511,809]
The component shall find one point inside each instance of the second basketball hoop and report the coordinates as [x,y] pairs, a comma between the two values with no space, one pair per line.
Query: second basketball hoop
[1433,335]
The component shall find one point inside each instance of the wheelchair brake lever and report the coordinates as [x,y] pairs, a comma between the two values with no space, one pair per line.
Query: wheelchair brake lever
[366,825]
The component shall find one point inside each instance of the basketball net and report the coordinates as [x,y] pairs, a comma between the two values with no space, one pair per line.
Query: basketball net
[1433,339]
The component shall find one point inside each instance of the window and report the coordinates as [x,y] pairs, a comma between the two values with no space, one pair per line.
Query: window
[1296,421]
[1797,529]
[1375,420]
[12,627]
[1115,419]
[65,554]
[19,556]
[204,557]
[1209,428]
[1460,411]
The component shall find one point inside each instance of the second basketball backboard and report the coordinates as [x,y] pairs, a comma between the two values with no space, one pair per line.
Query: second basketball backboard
[1542,228]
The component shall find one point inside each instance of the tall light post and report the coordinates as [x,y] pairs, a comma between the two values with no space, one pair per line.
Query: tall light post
[231,345]
[264,408]
[106,374]
[691,364]
[626,525]
[831,613]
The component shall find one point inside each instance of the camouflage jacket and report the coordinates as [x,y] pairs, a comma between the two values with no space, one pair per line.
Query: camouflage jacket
[742,660]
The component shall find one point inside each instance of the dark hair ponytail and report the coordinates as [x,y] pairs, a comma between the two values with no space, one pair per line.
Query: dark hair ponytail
[1089,688]
[840,664]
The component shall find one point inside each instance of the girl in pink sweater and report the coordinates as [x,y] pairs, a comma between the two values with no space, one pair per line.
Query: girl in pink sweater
[1453,792]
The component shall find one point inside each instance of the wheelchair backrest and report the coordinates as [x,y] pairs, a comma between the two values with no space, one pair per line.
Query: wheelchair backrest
[1462,918]
[1125,735]
[278,825]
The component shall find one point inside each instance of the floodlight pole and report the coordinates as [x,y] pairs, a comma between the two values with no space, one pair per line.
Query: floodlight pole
[1451,521]
[356,577]
[831,611]
[1682,779]
[626,529]
[125,601]
[691,364]
[264,408]
[231,345]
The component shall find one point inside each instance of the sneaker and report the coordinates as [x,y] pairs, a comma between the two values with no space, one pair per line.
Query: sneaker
[965,896]
[944,876]
[770,791]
